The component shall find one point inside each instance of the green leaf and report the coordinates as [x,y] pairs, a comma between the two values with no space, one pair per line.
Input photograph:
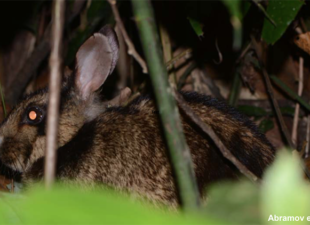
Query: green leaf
[237,202]
[8,212]
[252,110]
[245,7]
[64,205]
[197,26]
[287,111]
[266,125]
[282,12]
[284,191]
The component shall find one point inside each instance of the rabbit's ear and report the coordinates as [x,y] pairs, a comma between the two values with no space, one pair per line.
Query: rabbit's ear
[96,60]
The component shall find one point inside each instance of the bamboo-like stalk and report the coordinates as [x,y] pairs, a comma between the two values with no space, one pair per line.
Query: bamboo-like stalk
[179,151]
[297,106]
[54,92]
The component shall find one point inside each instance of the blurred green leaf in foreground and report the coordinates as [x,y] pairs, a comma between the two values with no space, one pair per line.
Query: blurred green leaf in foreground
[65,205]
[283,193]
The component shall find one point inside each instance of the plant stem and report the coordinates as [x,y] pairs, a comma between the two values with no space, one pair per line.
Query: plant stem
[54,92]
[235,89]
[3,102]
[179,151]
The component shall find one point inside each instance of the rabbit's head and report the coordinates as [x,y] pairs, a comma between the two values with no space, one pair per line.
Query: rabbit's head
[23,133]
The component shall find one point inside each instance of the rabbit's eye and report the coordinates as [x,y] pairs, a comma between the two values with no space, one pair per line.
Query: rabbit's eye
[35,115]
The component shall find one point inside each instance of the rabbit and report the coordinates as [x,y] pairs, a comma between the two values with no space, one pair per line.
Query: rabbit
[123,147]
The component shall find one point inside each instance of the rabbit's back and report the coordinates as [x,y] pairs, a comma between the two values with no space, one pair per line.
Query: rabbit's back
[124,148]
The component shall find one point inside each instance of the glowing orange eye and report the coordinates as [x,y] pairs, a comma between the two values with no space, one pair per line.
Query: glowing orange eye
[32,115]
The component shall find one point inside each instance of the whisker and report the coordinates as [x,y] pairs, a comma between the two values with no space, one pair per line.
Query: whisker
[21,165]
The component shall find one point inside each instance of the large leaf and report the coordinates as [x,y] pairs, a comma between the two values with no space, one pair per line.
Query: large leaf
[237,202]
[285,192]
[282,12]
[72,206]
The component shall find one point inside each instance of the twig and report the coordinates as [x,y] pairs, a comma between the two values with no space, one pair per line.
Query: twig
[120,99]
[297,107]
[54,92]
[244,51]
[3,102]
[167,52]
[186,73]
[264,12]
[187,53]
[296,97]
[178,149]
[270,92]
[208,130]
[131,48]
[277,109]
[12,186]
[307,138]
[290,93]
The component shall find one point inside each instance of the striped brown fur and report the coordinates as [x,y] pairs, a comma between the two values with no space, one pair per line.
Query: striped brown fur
[124,147]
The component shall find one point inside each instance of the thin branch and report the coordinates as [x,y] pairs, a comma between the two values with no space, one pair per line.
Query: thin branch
[290,93]
[277,109]
[54,91]
[178,149]
[167,52]
[120,99]
[307,138]
[208,130]
[270,92]
[264,12]
[244,51]
[297,107]
[12,186]
[3,102]
[187,53]
[131,48]
[186,73]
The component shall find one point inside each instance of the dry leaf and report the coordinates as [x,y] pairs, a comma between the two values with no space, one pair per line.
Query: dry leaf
[303,41]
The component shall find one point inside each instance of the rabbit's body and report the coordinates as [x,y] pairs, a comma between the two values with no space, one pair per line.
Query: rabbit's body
[124,147]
